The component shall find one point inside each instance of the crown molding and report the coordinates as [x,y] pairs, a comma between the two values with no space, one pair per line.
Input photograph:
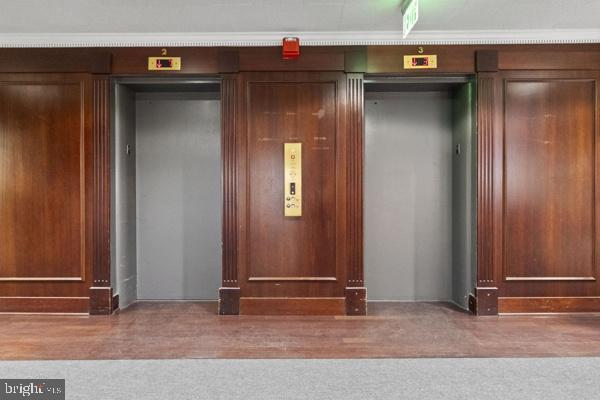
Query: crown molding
[243,39]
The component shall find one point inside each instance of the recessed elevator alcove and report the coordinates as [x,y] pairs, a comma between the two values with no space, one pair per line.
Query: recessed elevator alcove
[166,193]
[419,188]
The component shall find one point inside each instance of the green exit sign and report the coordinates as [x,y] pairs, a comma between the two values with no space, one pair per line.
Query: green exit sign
[410,17]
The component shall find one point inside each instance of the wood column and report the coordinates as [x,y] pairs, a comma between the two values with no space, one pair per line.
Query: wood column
[356,293]
[485,299]
[229,293]
[101,298]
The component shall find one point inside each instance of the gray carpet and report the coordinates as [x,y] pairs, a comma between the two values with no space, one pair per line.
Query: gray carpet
[485,378]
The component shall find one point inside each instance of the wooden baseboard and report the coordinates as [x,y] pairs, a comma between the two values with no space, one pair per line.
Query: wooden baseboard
[292,306]
[507,305]
[44,304]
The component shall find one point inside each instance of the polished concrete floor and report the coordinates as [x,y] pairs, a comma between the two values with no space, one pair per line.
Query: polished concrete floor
[157,330]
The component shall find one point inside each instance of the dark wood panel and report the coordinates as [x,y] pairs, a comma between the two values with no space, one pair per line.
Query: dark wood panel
[55,60]
[43,186]
[355,59]
[281,256]
[549,179]
[47,185]
[550,57]
[548,304]
[486,61]
[546,147]
[292,306]
[303,112]
[311,59]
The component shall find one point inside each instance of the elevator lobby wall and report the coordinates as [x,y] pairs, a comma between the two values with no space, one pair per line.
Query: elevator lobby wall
[536,188]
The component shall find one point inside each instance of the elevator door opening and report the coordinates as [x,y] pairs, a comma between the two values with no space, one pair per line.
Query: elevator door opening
[419,189]
[166,214]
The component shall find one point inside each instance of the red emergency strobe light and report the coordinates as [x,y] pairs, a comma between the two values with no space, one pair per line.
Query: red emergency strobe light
[291,48]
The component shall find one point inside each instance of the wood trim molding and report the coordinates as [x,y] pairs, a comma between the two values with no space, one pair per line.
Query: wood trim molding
[485,298]
[485,181]
[354,195]
[344,38]
[292,279]
[292,306]
[229,180]
[55,60]
[100,297]
[509,305]
[36,304]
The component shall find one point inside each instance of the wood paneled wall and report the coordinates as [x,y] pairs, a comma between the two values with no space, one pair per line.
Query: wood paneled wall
[286,263]
[538,116]
[47,192]
[538,198]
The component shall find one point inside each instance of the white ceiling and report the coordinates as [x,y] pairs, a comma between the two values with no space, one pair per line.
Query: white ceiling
[227,20]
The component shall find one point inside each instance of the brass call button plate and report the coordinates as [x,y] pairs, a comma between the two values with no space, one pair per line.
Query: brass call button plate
[292,162]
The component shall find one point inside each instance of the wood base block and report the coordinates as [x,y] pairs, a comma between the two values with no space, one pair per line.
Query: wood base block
[484,301]
[548,304]
[356,301]
[101,301]
[229,301]
[292,306]
[44,304]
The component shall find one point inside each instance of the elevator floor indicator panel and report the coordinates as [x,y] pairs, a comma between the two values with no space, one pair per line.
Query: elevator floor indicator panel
[292,205]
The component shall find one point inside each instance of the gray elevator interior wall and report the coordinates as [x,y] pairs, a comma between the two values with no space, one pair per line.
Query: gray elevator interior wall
[409,214]
[123,218]
[178,185]
[464,193]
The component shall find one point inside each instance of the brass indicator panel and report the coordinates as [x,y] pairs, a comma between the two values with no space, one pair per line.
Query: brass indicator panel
[292,204]
[164,63]
[420,61]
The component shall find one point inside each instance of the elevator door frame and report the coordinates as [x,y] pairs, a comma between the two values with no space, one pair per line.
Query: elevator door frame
[433,82]
[172,84]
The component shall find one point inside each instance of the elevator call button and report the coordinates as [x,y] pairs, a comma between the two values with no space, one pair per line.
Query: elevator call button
[292,162]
